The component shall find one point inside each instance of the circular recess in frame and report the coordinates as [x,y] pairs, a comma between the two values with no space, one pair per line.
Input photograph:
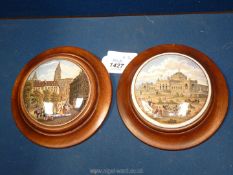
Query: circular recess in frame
[172,97]
[58,98]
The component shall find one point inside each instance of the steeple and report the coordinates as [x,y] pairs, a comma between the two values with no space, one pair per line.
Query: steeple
[57,75]
[34,77]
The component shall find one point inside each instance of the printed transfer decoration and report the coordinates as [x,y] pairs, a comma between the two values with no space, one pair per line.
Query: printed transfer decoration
[171,90]
[172,97]
[56,91]
[61,97]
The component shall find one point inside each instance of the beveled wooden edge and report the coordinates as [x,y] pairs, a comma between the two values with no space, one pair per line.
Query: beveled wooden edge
[177,139]
[94,113]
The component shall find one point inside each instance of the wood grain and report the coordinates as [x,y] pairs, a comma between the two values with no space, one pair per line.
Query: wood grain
[179,138]
[90,118]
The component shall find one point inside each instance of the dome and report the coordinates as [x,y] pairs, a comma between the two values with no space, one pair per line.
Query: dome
[178,76]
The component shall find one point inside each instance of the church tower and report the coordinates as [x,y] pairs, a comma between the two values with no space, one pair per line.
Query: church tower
[57,75]
[34,76]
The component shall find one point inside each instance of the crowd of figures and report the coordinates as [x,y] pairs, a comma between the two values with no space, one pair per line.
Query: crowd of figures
[58,110]
[163,110]
[168,109]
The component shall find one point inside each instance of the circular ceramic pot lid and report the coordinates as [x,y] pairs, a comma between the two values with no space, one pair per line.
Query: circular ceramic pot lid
[172,97]
[59,98]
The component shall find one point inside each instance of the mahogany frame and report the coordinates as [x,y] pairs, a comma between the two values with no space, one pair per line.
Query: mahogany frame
[178,138]
[87,121]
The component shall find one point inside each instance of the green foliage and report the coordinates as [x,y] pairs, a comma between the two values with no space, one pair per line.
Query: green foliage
[54,97]
[36,98]
[27,93]
[47,96]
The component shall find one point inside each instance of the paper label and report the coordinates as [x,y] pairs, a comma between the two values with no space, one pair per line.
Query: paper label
[116,62]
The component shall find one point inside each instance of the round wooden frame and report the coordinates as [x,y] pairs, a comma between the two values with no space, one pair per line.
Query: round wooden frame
[179,138]
[87,121]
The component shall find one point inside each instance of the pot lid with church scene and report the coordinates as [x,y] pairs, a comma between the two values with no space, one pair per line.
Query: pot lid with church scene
[59,99]
[56,91]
